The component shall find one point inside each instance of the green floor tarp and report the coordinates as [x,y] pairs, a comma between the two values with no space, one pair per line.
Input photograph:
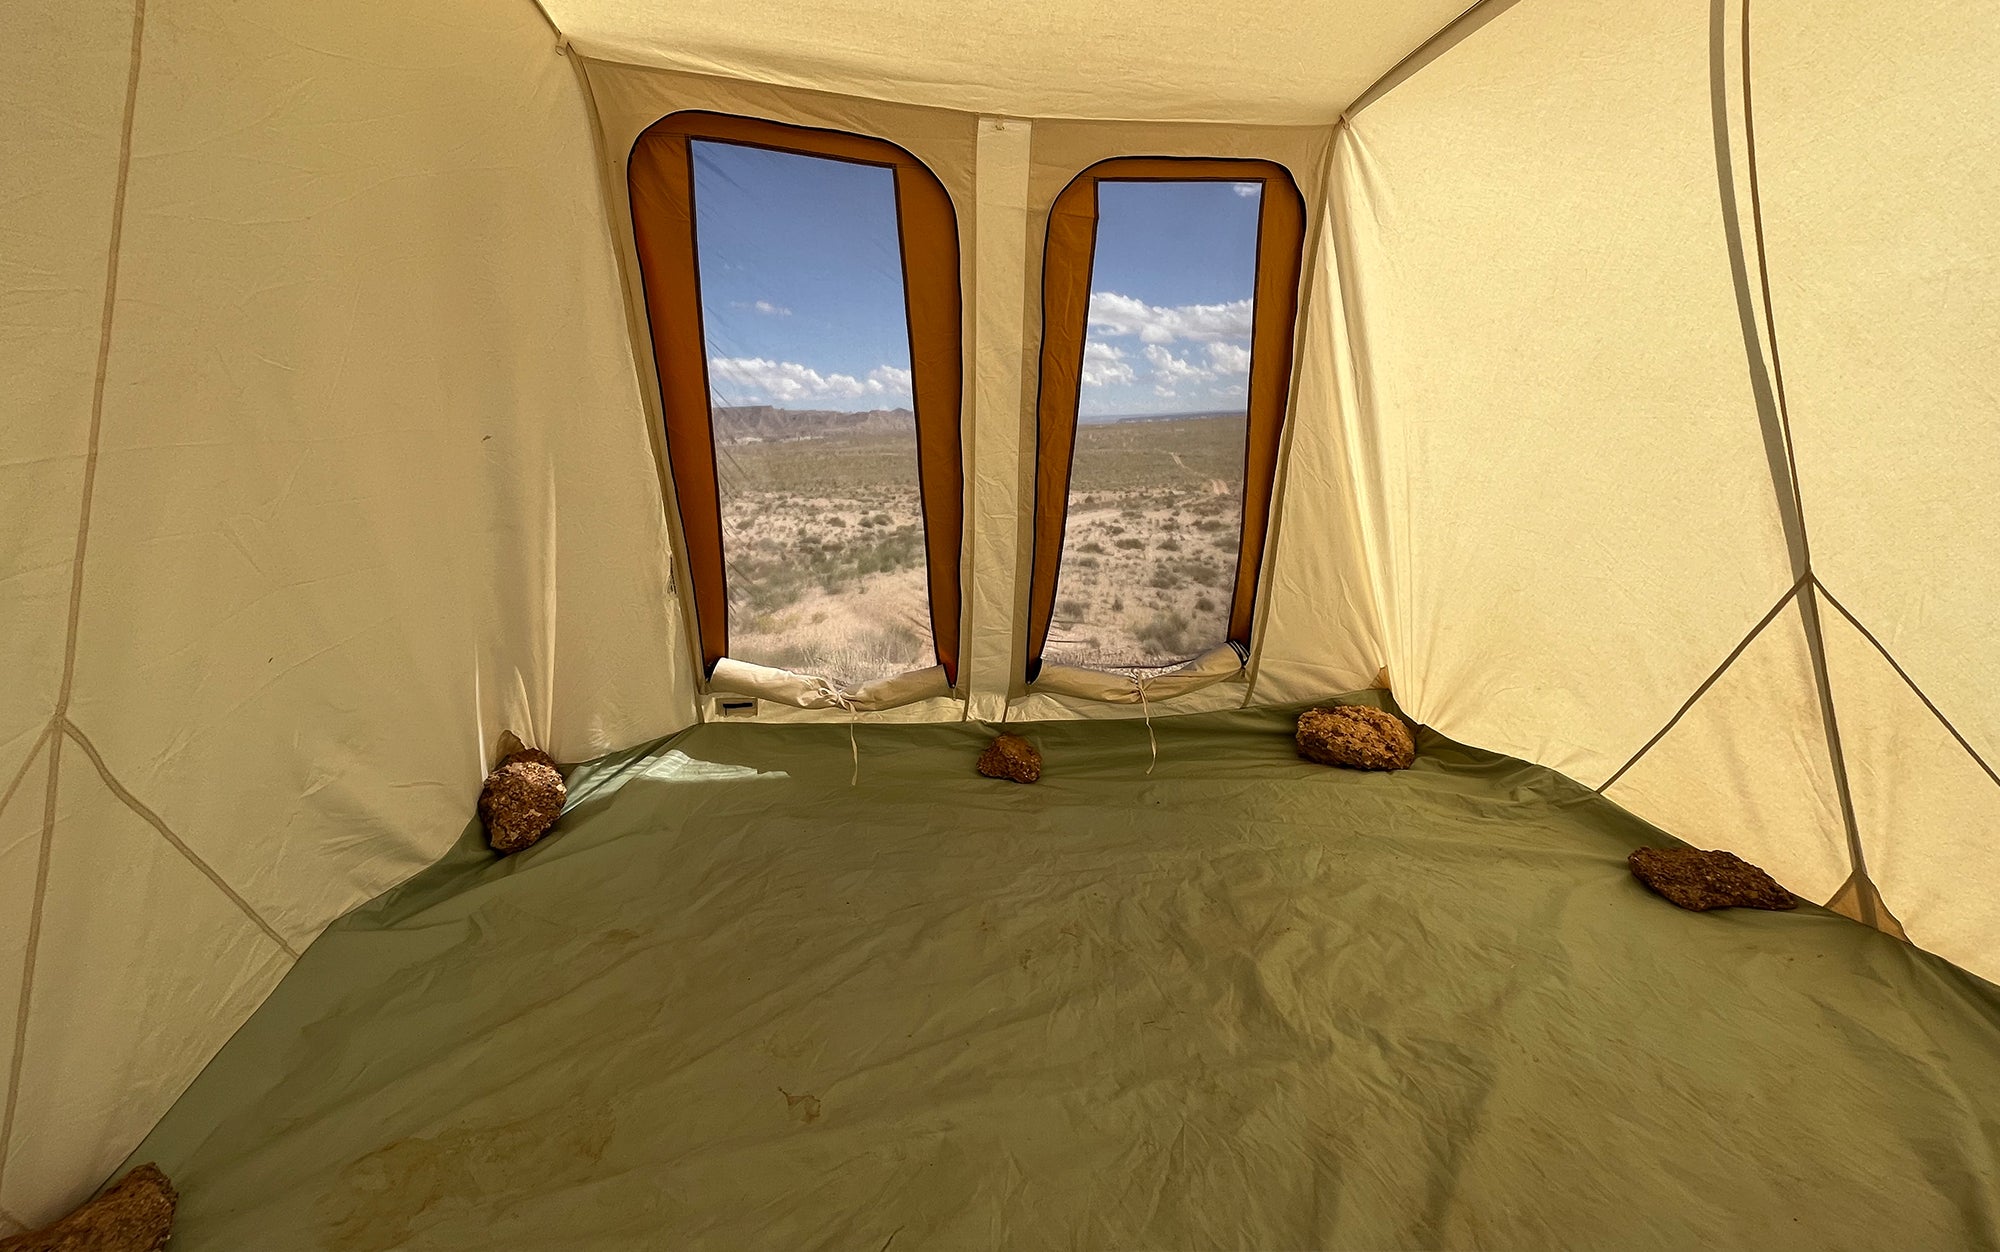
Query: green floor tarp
[1245,1002]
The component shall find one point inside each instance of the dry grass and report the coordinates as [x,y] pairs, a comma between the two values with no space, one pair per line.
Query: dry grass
[1149,551]
[826,549]
[826,555]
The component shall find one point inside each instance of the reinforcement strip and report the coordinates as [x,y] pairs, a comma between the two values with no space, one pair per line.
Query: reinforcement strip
[1454,33]
[1708,682]
[153,819]
[33,944]
[20,775]
[1909,681]
[1766,385]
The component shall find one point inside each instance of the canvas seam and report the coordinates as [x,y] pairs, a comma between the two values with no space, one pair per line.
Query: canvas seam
[1687,705]
[1872,904]
[180,845]
[617,199]
[113,247]
[1448,36]
[1773,413]
[21,775]
[28,959]
[562,40]
[1314,239]
[1903,674]
[1369,512]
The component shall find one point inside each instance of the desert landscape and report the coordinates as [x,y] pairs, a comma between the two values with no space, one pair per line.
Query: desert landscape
[1149,548]
[825,546]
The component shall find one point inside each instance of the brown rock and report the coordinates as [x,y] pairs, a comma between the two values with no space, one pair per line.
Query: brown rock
[1356,736]
[1700,880]
[133,1214]
[522,798]
[1010,756]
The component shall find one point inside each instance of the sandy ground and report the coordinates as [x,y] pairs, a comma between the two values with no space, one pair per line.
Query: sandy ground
[826,550]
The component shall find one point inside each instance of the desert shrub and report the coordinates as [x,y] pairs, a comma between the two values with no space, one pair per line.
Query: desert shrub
[1092,546]
[1170,545]
[1129,545]
[1204,605]
[760,588]
[1168,634]
[1164,579]
[1070,607]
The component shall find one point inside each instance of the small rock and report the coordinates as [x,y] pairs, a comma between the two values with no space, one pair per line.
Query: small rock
[1010,756]
[1700,880]
[134,1214]
[1357,737]
[522,798]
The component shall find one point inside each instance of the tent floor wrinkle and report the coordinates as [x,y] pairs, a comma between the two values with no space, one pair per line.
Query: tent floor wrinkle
[731,1001]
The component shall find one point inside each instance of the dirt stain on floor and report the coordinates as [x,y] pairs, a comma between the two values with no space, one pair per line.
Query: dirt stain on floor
[381,1200]
[804,1106]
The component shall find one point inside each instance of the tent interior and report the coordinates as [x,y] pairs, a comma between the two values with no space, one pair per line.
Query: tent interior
[759,406]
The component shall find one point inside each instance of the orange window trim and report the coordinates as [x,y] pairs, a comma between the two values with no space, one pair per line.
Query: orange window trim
[660,178]
[1067,259]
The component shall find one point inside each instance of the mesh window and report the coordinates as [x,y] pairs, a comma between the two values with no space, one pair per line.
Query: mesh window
[807,340]
[1156,484]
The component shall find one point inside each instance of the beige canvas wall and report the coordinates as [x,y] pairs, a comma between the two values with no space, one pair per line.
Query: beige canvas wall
[59,119]
[1578,413]
[373,483]
[1876,143]
[1285,64]
[1570,487]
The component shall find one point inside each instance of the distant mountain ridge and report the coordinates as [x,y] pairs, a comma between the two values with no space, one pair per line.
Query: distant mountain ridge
[1109,419]
[767,423]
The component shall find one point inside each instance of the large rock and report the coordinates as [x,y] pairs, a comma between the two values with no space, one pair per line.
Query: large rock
[1010,756]
[134,1214]
[1700,880]
[522,798]
[1356,737]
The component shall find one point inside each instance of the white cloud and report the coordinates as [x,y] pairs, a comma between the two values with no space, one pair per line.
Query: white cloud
[755,380]
[1170,370]
[1246,190]
[1114,314]
[1211,368]
[771,310]
[889,378]
[1104,364]
[1228,358]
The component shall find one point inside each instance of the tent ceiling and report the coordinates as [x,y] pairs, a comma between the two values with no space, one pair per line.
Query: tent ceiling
[1271,61]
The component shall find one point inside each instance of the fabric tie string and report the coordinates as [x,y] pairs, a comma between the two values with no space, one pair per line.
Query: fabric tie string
[839,699]
[1140,685]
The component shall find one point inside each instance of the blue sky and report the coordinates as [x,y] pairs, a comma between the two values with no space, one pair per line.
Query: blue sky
[1170,298]
[801,280]
[802,291]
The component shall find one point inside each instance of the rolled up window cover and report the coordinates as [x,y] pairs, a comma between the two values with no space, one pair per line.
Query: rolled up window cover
[1216,665]
[810,691]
